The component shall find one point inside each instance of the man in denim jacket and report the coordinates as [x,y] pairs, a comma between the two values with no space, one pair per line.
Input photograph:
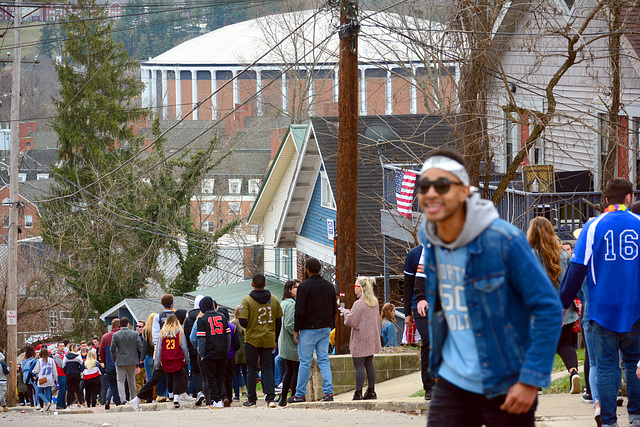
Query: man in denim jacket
[494,315]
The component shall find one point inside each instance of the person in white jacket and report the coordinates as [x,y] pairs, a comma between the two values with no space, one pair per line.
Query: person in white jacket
[47,377]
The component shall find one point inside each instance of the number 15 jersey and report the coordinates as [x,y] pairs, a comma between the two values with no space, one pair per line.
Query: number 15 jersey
[608,246]
[212,331]
[261,309]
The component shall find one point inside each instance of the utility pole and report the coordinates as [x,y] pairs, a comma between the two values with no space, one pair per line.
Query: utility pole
[347,179]
[14,145]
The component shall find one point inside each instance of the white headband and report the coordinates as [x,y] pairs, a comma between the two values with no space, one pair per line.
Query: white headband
[446,164]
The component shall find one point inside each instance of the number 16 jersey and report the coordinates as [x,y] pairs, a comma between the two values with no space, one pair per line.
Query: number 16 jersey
[608,246]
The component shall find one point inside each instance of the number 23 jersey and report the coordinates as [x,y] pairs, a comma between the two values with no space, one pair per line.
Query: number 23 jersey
[608,246]
[261,309]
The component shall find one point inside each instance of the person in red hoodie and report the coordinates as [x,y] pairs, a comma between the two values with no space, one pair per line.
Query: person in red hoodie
[110,367]
[61,403]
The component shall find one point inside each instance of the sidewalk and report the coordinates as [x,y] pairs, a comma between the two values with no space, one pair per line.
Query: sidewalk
[554,410]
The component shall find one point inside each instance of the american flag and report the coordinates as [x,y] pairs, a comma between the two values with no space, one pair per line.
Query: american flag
[405,183]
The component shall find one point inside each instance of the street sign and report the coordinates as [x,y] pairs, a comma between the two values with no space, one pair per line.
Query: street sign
[12,317]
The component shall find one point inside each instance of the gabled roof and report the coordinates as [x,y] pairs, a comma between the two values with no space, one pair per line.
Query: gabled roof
[401,139]
[141,308]
[411,138]
[231,295]
[289,148]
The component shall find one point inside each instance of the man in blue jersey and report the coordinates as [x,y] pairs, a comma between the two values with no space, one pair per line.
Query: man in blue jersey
[607,254]
[411,314]
[494,315]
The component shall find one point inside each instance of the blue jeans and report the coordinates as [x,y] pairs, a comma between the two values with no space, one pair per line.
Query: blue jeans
[606,346]
[148,367]
[277,370]
[112,391]
[240,379]
[314,340]
[62,392]
[44,393]
[162,389]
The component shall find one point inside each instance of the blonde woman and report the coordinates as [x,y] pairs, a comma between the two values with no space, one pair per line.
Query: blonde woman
[364,320]
[388,327]
[148,346]
[91,374]
[171,355]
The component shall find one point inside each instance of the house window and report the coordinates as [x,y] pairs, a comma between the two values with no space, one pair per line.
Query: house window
[5,221]
[42,176]
[325,190]
[620,155]
[66,315]
[234,208]
[207,185]
[206,208]
[254,186]
[208,226]
[28,221]
[22,177]
[235,186]
[511,142]
[254,229]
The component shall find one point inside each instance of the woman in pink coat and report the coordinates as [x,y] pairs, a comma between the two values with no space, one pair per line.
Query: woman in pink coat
[364,320]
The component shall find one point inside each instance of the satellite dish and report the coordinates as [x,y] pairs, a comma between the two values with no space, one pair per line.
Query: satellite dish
[380,134]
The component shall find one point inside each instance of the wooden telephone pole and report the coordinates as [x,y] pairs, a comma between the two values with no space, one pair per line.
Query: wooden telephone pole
[347,179]
[14,146]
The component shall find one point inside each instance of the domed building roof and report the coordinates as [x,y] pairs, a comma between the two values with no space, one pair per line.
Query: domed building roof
[316,42]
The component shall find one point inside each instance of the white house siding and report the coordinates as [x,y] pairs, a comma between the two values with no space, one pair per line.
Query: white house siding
[570,141]
[273,215]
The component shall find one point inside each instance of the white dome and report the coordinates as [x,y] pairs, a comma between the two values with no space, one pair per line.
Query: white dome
[245,42]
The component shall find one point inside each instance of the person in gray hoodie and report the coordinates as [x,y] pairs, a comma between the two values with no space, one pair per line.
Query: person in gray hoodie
[3,383]
[494,315]
[126,351]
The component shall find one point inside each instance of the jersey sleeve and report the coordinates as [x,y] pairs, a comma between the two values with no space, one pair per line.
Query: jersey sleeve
[244,311]
[581,252]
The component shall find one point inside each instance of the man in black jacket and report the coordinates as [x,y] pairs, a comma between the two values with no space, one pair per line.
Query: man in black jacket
[315,317]
[194,362]
[212,331]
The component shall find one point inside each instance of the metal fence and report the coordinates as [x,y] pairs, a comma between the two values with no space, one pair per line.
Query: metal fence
[566,211]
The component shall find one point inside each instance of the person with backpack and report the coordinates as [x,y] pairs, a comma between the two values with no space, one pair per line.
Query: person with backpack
[27,373]
[47,377]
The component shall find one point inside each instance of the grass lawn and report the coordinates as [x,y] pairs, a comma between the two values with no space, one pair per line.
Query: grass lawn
[29,37]
[561,385]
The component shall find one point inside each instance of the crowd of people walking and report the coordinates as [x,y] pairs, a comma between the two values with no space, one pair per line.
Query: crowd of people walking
[492,306]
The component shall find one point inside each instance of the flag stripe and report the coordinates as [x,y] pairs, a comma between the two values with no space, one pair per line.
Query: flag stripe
[405,184]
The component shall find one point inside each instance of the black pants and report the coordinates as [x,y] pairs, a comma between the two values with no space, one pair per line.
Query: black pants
[146,391]
[290,377]
[229,373]
[566,350]
[91,387]
[452,406]
[363,364]
[266,367]
[73,390]
[213,371]
[422,324]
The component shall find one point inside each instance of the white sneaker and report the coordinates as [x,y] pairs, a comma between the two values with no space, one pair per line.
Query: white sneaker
[42,409]
[272,404]
[200,398]
[218,404]
[135,404]
[186,398]
[170,396]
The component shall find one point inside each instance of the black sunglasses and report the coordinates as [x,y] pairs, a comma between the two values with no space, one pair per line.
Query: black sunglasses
[441,185]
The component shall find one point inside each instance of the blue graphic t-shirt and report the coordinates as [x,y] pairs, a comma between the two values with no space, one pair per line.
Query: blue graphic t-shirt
[460,363]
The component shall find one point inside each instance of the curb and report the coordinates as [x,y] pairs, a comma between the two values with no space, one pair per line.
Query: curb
[369,405]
